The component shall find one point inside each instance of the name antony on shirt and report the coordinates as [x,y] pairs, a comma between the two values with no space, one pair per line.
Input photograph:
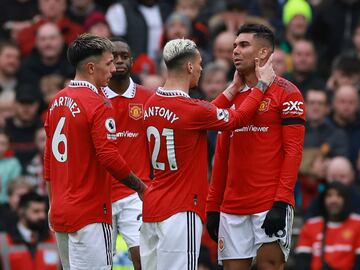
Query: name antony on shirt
[67,102]
[162,112]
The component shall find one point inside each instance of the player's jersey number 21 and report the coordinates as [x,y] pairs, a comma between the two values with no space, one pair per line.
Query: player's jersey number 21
[59,138]
[170,147]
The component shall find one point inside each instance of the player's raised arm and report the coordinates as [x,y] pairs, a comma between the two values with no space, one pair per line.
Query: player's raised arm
[208,116]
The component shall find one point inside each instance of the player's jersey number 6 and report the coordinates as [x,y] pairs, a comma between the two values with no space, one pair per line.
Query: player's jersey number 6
[58,138]
[170,148]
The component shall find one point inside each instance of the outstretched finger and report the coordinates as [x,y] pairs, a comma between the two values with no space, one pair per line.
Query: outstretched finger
[269,61]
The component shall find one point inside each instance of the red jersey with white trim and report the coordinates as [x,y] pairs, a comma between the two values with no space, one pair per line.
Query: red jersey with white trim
[258,164]
[342,242]
[81,143]
[176,130]
[131,136]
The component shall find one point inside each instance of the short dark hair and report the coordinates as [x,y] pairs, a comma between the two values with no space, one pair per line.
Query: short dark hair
[318,90]
[29,197]
[85,46]
[8,44]
[260,31]
[118,39]
[344,193]
[347,64]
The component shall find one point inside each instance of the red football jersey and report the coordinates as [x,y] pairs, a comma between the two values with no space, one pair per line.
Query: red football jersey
[342,242]
[258,163]
[132,142]
[176,130]
[81,143]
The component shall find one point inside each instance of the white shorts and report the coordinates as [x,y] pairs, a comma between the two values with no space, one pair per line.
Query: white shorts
[126,219]
[88,248]
[171,244]
[241,236]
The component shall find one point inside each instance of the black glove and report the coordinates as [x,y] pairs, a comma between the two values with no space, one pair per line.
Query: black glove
[274,223]
[212,225]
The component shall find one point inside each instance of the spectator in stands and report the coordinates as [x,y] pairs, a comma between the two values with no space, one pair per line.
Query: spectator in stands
[10,167]
[50,85]
[235,14]
[28,244]
[152,81]
[96,24]
[223,51]
[332,240]
[22,126]
[280,62]
[199,30]
[356,41]
[9,65]
[319,132]
[345,70]
[50,11]
[297,16]
[213,82]
[304,66]
[346,116]
[16,15]
[15,190]
[177,25]
[322,140]
[338,169]
[34,170]
[79,10]
[48,58]
[140,22]
[332,29]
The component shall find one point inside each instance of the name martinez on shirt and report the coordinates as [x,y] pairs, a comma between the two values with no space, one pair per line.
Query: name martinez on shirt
[67,102]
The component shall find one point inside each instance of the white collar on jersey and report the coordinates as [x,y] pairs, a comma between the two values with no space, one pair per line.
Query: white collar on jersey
[246,88]
[129,93]
[171,93]
[76,83]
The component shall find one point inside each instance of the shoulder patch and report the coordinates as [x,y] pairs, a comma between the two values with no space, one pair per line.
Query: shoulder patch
[110,125]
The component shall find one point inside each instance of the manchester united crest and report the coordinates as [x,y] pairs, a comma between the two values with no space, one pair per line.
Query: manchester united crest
[264,105]
[135,111]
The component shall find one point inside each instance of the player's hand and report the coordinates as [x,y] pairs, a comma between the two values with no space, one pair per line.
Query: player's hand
[238,81]
[212,225]
[235,86]
[275,220]
[264,73]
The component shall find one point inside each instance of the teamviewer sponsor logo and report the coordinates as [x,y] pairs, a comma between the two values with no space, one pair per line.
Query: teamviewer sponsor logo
[293,107]
[127,134]
[252,128]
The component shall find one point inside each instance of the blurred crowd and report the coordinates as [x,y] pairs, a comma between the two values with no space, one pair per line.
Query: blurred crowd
[318,49]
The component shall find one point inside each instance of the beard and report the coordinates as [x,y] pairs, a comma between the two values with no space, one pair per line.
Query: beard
[38,226]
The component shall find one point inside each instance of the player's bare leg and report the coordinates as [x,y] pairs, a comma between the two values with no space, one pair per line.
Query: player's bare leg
[135,257]
[238,264]
[270,257]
